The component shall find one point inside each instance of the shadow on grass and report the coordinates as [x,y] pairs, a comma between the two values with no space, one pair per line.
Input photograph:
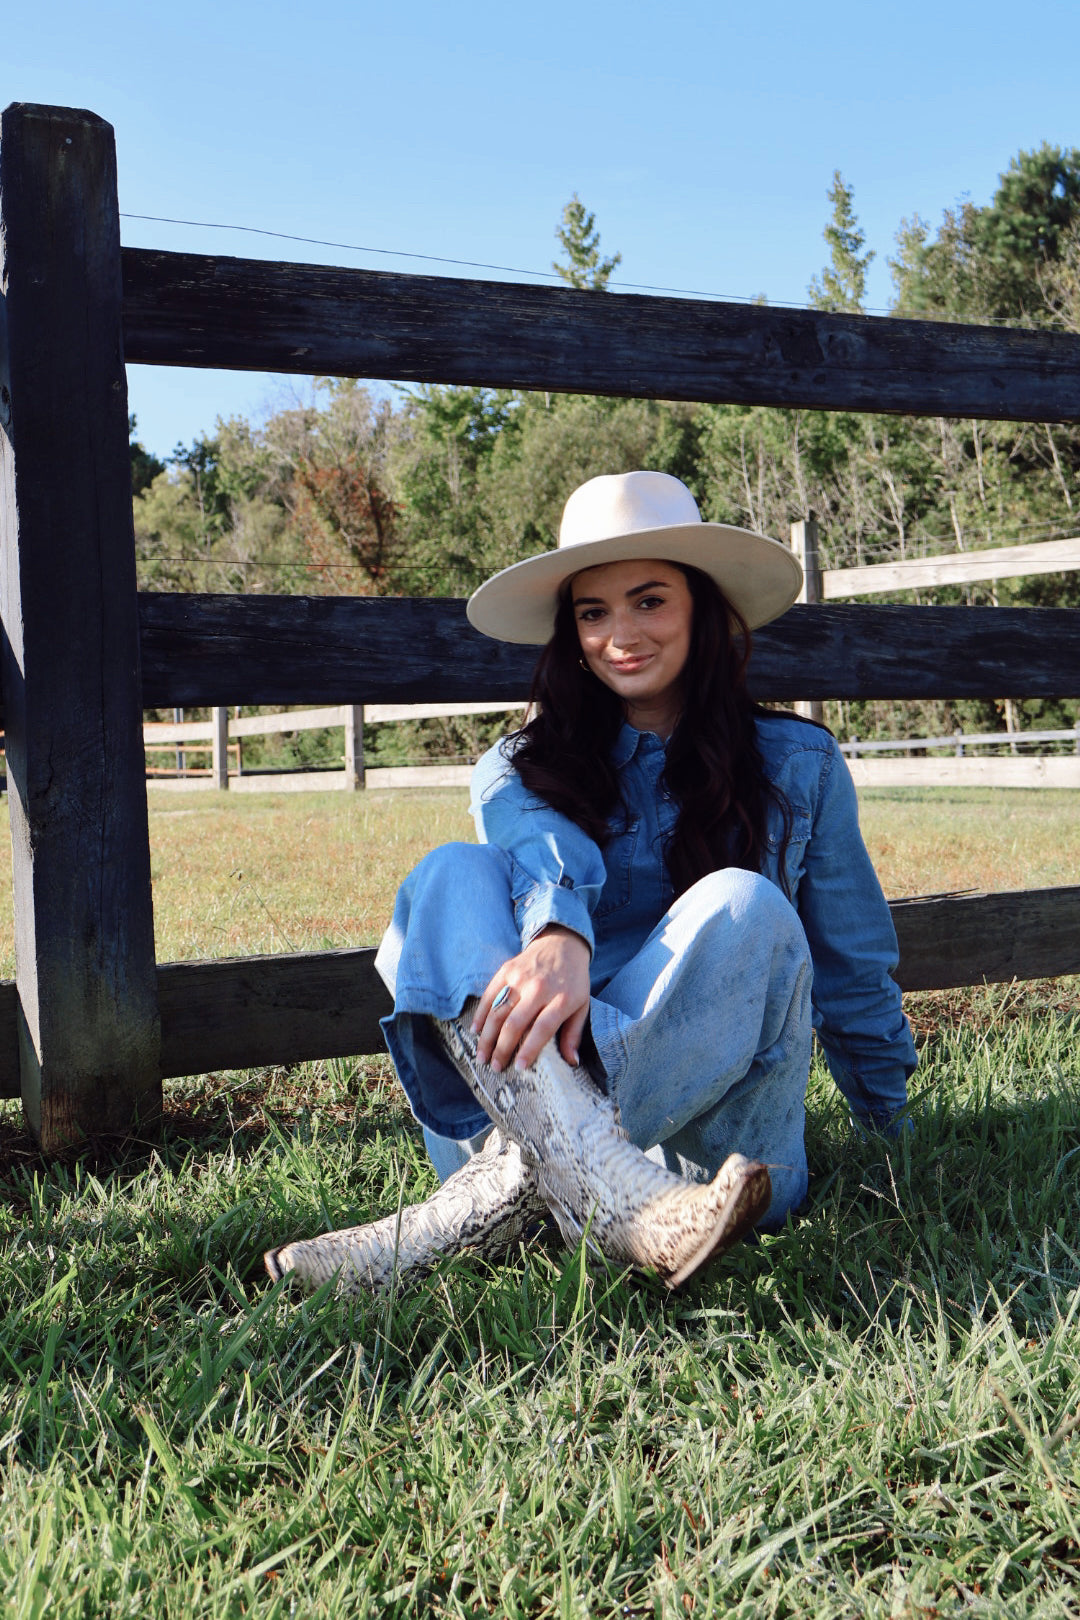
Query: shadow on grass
[206,1115]
[987,1181]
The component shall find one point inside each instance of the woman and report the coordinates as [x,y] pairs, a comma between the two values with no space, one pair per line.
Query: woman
[670,892]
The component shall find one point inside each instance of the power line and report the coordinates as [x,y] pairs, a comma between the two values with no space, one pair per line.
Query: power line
[471,264]
[546,275]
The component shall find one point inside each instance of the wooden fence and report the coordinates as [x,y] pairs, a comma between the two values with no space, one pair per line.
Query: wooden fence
[954,568]
[962,769]
[93,1023]
[220,736]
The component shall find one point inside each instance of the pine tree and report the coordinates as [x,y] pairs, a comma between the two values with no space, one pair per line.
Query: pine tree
[581,243]
[843,286]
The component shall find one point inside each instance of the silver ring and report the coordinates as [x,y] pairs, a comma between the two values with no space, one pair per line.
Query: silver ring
[503,995]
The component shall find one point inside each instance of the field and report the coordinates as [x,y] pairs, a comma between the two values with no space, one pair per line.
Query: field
[875,1412]
[238,875]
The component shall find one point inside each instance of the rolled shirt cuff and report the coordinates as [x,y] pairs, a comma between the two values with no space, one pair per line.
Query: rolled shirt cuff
[547,903]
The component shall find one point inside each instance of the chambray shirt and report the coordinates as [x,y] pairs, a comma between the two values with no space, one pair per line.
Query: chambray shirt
[614,897]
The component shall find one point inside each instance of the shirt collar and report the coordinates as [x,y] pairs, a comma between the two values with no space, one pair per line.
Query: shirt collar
[629,741]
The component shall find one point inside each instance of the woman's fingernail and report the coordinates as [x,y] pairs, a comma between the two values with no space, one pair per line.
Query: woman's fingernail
[575,1057]
[495,1066]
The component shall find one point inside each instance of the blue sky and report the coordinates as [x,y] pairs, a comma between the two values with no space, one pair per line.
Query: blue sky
[704,136]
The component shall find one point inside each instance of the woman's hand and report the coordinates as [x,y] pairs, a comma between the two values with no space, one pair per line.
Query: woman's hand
[549,992]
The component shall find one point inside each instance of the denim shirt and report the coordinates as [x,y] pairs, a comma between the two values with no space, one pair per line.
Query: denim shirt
[615,897]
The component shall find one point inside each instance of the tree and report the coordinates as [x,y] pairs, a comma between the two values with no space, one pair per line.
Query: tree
[215,518]
[335,463]
[842,284]
[1036,203]
[144,466]
[994,263]
[439,472]
[581,244]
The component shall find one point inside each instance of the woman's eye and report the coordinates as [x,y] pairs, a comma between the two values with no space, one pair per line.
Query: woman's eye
[590,615]
[651,602]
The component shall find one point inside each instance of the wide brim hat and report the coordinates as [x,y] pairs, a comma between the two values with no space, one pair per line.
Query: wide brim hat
[619,517]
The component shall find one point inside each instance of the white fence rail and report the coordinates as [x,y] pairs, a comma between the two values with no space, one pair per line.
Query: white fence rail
[223,738]
[960,741]
[955,568]
[964,769]
[1036,771]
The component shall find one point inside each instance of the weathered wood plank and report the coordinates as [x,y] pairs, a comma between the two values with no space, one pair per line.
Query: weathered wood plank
[955,568]
[257,781]
[354,747]
[418,776]
[268,725]
[84,939]
[379,713]
[875,651]
[249,1011]
[9,1040]
[188,309]
[322,649]
[325,649]
[950,940]
[995,770]
[160,732]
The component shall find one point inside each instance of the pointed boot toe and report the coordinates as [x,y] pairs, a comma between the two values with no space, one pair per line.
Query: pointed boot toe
[596,1182]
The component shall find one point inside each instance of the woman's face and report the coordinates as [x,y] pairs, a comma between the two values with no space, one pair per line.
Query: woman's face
[634,621]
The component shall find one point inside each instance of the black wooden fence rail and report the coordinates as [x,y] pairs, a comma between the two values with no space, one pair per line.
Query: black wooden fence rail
[93,1022]
[247,1012]
[186,309]
[326,649]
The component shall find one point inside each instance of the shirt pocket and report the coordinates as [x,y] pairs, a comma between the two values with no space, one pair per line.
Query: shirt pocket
[794,853]
[618,862]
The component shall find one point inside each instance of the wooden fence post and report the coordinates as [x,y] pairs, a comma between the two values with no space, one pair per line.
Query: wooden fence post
[89,1030]
[804,543]
[354,746]
[220,755]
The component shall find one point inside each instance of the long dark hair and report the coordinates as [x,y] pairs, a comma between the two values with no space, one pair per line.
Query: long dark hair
[714,769]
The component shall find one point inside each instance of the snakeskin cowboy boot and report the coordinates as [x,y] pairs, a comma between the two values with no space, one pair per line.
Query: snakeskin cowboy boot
[482,1208]
[594,1179]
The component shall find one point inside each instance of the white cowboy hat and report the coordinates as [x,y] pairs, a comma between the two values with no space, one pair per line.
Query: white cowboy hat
[620,516]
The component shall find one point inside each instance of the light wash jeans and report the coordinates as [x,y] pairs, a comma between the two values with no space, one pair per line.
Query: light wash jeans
[703,1036]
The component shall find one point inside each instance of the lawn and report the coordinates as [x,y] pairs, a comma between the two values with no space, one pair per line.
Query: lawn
[874,1412]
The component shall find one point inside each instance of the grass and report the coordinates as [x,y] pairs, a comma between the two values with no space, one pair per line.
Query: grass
[876,1412]
[935,840]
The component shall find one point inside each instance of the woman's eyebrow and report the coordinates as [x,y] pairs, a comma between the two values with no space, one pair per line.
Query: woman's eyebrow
[635,590]
[649,585]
